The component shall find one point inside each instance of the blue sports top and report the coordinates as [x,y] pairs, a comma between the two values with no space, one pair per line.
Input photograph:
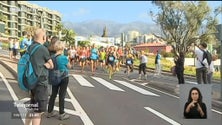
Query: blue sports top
[94,54]
[62,62]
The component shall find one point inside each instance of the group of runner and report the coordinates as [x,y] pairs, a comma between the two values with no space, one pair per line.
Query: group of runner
[108,58]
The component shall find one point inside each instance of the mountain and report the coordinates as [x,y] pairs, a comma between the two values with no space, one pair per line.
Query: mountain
[114,29]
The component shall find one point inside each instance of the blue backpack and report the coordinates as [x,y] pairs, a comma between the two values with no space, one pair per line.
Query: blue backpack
[27,78]
[55,75]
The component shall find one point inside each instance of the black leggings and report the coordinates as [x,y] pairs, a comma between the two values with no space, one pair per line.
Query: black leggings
[180,76]
[62,87]
[142,67]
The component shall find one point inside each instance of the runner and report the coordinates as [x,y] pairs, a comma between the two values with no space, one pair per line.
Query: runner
[129,63]
[82,57]
[94,58]
[120,57]
[88,54]
[102,58]
[72,56]
[111,62]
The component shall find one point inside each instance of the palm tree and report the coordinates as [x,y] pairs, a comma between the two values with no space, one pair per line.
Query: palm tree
[59,28]
[69,36]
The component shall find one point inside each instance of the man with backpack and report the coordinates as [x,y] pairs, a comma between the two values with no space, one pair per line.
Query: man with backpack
[202,63]
[41,62]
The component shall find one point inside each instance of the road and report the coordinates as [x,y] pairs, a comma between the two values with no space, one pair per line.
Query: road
[96,100]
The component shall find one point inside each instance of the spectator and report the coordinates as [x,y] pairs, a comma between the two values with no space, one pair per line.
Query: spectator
[158,64]
[23,43]
[179,61]
[51,52]
[15,48]
[41,62]
[63,65]
[11,45]
[48,41]
[201,65]
[142,66]
[211,69]
[51,45]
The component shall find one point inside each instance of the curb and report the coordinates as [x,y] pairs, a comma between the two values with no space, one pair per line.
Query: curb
[9,68]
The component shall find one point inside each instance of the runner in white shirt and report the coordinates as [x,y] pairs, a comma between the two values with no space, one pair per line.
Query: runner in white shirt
[72,55]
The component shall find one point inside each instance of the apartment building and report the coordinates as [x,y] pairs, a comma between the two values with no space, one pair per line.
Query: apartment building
[21,14]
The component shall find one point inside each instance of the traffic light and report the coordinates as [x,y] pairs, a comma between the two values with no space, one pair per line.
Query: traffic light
[219,33]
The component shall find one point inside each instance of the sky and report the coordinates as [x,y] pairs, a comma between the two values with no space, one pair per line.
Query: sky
[118,11]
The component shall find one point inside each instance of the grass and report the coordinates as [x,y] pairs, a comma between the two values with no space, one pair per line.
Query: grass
[167,65]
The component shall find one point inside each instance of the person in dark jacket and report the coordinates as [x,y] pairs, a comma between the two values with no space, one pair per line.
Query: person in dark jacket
[179,61]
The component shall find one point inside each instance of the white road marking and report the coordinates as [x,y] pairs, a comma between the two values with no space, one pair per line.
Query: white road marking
[191,82]
[13,95]
[79,111]
[107,84]
[140,90]
[86,120]
[162,116]
[162,92]
[217,111]
[82,81]
[72,112]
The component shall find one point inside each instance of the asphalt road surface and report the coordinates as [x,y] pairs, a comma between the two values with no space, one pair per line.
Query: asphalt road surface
[96,100]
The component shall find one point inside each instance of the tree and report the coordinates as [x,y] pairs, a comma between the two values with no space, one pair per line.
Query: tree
[83,43]
[59,28]
[69,36]
[183,23]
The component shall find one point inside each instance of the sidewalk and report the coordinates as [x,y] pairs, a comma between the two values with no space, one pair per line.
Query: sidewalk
[11,65]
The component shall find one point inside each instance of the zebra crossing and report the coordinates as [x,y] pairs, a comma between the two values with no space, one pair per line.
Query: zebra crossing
[85,83]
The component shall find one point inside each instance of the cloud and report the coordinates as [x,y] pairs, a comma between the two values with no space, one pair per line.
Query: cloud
[144,15]
[80,12]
